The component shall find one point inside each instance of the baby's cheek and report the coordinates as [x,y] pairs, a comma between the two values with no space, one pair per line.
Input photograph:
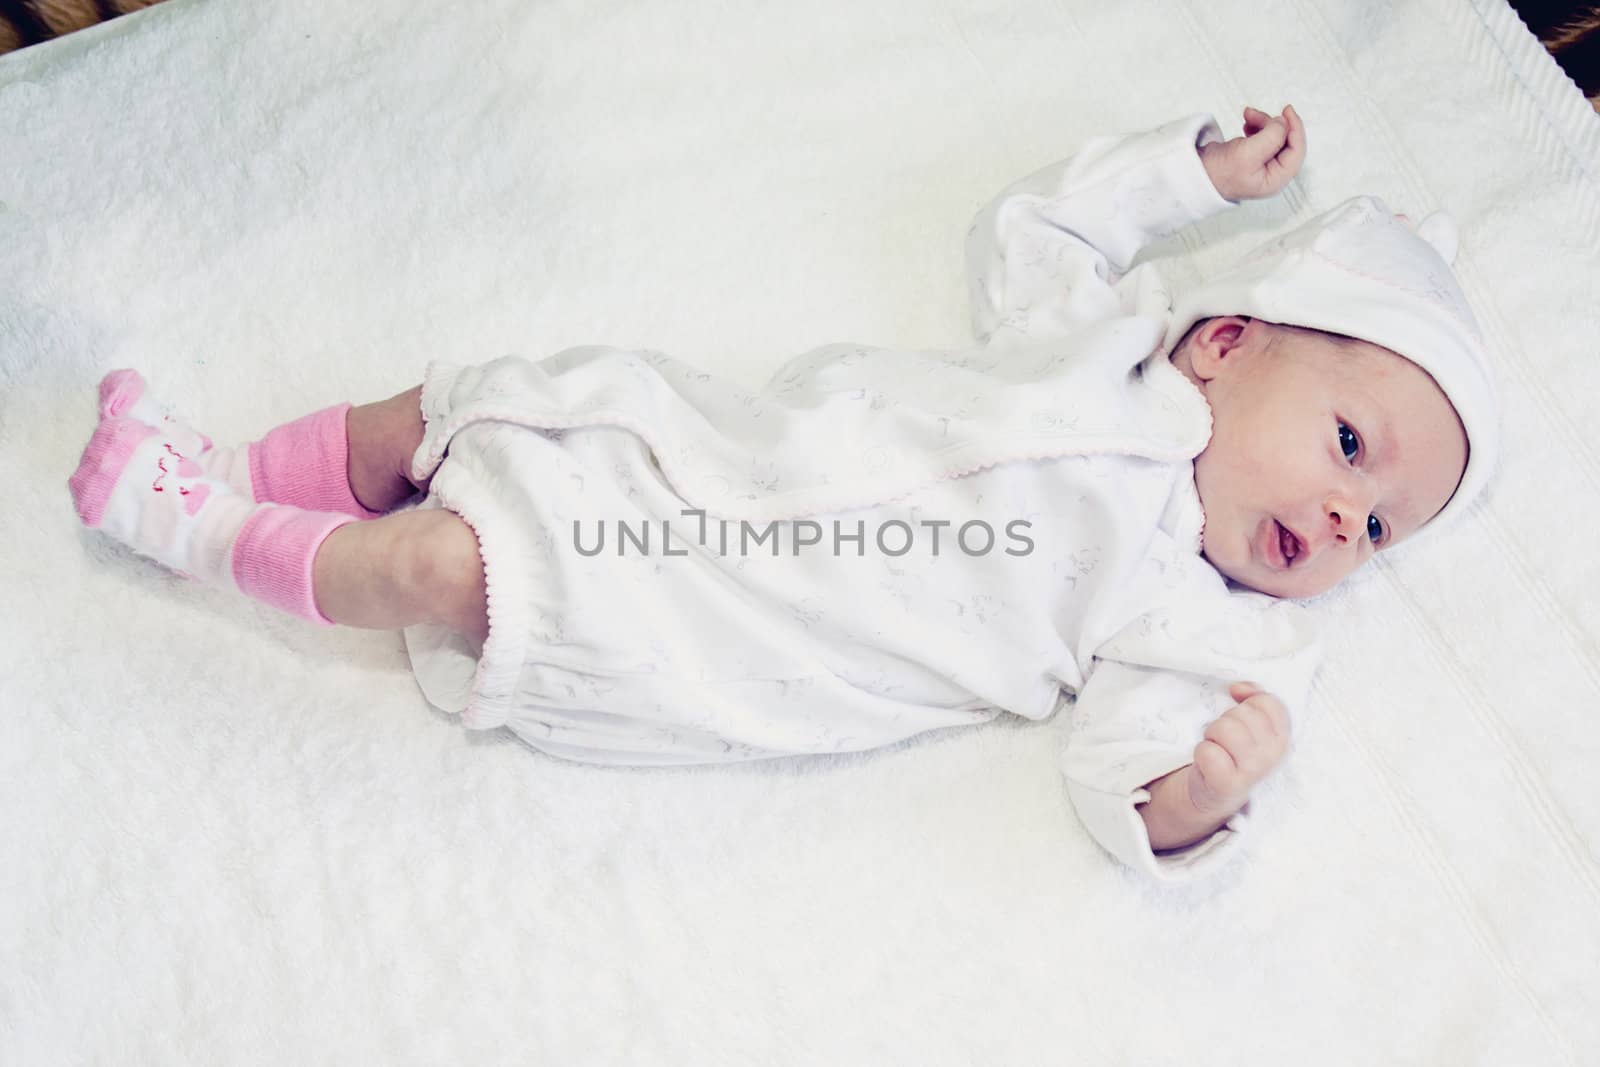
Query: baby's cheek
[1224,553]
[1261,464]
[1213,481]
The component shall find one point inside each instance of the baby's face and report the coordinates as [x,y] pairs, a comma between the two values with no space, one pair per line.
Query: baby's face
[1321,452]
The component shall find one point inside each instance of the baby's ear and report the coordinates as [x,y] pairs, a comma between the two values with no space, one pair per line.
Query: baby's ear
[1214,341]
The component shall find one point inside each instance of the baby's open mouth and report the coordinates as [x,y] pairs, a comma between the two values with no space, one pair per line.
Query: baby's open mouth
[1288,544]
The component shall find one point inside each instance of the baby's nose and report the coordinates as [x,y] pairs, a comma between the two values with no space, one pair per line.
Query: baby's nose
[1347,517]
[1339,524]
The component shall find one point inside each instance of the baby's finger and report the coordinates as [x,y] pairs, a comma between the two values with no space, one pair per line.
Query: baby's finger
[1295,138]
[1215,766]
[1263,146]
[1242,691]
[1268,727]
[1232,733]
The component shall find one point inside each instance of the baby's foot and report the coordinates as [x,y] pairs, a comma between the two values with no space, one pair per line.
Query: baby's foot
[135,485]
[125,394]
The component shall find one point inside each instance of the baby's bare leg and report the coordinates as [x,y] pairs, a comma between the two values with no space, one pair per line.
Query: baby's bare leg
[392,572]
[382,439]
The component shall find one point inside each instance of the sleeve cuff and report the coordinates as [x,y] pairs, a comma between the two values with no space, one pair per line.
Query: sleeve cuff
[1183,173]
[1111,815]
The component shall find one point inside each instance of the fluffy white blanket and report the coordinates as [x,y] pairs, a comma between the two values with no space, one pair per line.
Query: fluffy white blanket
[227,837]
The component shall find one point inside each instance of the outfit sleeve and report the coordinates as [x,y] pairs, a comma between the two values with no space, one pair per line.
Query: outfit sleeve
[1152,690]
[1046,254]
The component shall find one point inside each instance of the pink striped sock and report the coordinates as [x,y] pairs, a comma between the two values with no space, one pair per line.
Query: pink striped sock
[305,464]
[135,486]
[273,557]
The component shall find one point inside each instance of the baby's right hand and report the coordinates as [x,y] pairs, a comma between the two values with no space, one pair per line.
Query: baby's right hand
[1240,748]
[1260,163]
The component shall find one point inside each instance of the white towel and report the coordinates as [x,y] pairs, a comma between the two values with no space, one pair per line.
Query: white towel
[230,838]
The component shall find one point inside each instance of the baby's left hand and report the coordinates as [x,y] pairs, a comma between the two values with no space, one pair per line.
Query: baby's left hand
[1260,163]
[1239,749]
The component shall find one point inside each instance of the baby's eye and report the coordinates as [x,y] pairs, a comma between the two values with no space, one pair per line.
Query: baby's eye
[1374,529]
[1348,441]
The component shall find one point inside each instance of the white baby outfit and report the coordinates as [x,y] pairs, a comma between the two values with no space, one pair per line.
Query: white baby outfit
[1067,431]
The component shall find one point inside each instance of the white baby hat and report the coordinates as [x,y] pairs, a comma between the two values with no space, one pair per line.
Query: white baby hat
[1360,271]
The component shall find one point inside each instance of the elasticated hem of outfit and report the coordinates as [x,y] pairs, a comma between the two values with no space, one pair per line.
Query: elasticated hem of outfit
[484,693]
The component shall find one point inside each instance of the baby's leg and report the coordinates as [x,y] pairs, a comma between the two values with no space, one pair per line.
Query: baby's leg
[383,437]
[136,485]
[417,566]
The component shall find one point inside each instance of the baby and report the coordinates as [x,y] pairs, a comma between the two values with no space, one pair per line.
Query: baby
[1167,481]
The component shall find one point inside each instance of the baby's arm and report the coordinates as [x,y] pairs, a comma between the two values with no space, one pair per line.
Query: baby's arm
[1136,726]
[1046,253]
[1240,748]
[1164,757]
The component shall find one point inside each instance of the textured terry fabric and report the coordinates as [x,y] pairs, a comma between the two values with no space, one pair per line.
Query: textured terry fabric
[233,839]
